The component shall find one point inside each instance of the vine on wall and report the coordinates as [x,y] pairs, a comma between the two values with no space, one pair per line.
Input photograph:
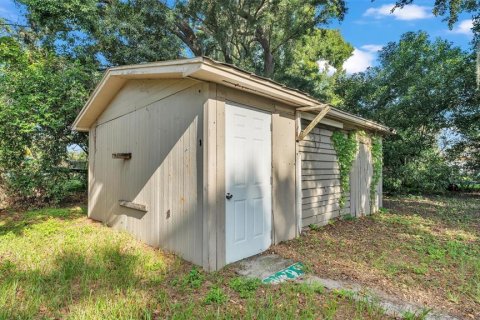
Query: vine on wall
[346,147]
[377,164]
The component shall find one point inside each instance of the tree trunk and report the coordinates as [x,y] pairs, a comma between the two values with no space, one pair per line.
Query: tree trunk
[188,37]
[268,64]
[268,59]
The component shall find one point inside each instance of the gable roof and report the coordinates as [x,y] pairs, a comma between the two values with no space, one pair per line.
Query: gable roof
[205,69]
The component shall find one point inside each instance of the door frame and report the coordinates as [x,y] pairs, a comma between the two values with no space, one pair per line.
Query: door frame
[269,113]
[212,173]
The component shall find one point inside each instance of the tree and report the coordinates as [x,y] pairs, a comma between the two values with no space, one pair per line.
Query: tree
[451,9]
[249,34]
[50,66]
[420,88]
[114,32]
[40,95]
[247,30]
[299,67]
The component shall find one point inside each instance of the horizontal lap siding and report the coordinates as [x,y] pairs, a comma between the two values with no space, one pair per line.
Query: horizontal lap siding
[320,177]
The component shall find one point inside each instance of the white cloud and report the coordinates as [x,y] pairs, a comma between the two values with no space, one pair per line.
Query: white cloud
[408,12]
[359,61]
[464,27]
[324,65]
[372,47]
[362,58]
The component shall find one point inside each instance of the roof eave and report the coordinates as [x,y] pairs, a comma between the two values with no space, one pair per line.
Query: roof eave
[203,69]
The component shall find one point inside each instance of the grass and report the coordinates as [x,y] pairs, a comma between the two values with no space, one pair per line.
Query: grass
[425,249]
[56,263]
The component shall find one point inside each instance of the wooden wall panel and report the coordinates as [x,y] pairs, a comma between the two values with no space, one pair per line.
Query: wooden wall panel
[164,172]
[210,173]
[138,94]
[360,180]
[283,173]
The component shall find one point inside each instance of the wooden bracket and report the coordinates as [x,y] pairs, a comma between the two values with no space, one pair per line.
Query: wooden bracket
[132,205]
[124,156]
[314,122]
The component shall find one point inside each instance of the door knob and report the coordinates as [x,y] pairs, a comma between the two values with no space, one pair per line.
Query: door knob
[229,196]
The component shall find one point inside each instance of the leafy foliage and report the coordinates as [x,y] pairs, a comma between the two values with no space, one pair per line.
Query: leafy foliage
[377,164]
[114,32]
[194,279]
[40,95]
[451,10]
[420,88]
[255,35]
[346,147]
[300,67]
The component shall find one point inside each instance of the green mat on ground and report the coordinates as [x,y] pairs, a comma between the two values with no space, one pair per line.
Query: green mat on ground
[289,273]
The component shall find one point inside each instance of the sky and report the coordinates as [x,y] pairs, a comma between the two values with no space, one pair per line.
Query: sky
[368,26]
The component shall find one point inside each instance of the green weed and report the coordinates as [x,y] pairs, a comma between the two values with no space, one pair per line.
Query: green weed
[245,287]
[216,295]
[194,279]
[349,217]
[421,315]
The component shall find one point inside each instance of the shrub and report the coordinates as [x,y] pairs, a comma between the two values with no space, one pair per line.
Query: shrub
[428,172]
[40,95]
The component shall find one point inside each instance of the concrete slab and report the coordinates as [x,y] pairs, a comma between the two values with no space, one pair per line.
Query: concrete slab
[262,266]
[391,305]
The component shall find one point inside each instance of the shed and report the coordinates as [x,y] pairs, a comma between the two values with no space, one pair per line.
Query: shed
[215,163]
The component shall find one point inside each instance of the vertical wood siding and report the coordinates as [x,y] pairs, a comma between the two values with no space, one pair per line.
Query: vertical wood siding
[360,181]
[283,175]
[161,123]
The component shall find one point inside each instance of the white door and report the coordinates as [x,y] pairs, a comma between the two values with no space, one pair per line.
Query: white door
[248,169]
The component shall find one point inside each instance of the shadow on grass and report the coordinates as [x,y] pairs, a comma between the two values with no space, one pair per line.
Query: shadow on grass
[72,279]
[16,222]
[459,209]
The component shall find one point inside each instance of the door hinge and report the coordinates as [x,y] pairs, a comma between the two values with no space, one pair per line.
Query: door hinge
[271,180]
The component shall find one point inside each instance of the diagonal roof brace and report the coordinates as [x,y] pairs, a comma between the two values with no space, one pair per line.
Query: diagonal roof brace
[323,111]
[312,108]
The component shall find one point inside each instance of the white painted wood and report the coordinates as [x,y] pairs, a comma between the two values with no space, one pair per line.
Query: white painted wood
[298,174]
[361,177]
[248,176]
[314,122]
[205,69]
[320,175]
[210,183]
[164,173]
[326,121]
[283,174]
